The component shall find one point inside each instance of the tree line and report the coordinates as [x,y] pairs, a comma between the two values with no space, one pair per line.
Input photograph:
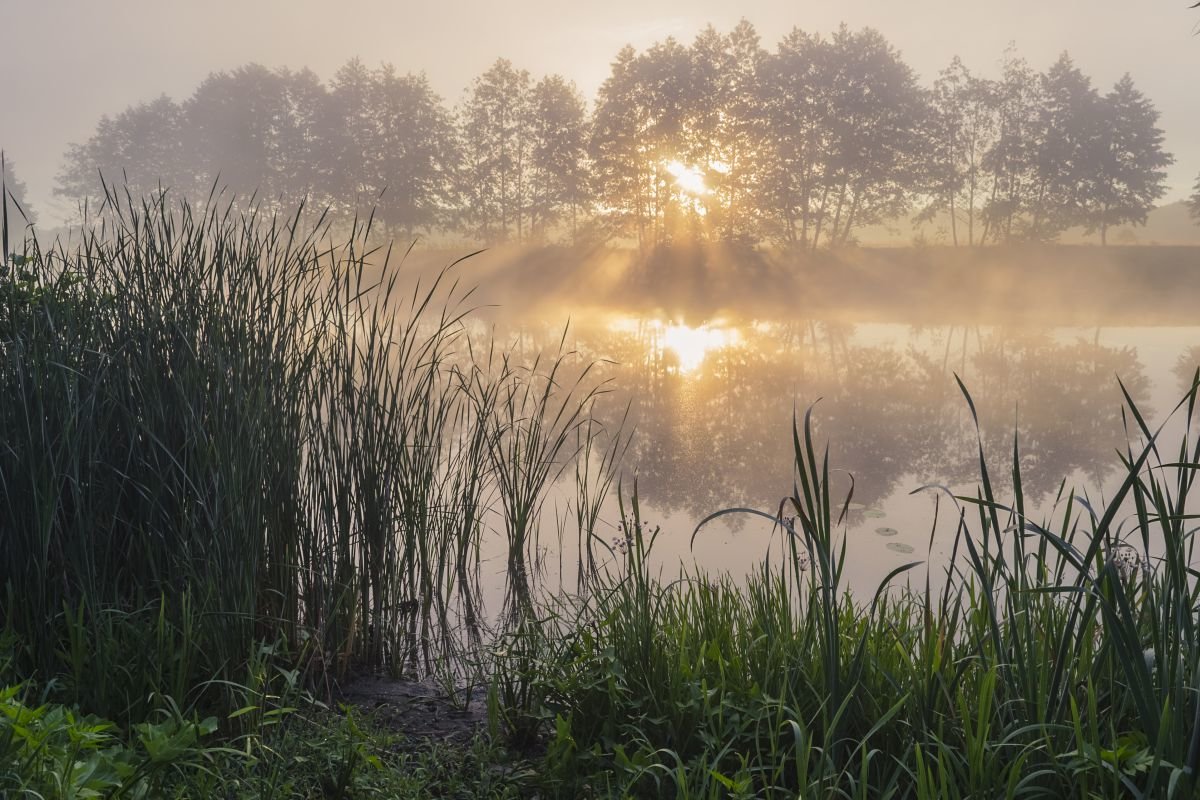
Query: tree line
[719,140]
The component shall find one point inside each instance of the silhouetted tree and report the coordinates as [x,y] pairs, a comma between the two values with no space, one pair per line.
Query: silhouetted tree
[302,165]
[1067,142]
[726,130]
[234,126]
[666,90]
[350,136]
[795,100]
[963,127]
[1194,201]
[1011,160]
[1128,173]
[142,147]
[848,118]
[412,153]
[620,152]
[494,120]
[559,182]
[876,133]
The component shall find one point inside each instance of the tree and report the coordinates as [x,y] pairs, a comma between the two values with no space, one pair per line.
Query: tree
[795,100]
[350,134]
[725,131]
[1129,169]
[559,183]
[142,147]
[302,168]
[1194,201]
[413,152]
[619,149]
[1067,143]
[645,136]
[877,132]
[665,88]
[1010,161]
[848,117]
[494,124]
[963,126]
[233,129]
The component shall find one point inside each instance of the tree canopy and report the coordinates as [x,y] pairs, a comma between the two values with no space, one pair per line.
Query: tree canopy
[719,139]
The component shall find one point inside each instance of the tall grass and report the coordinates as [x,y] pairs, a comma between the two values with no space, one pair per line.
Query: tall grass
[222,429]
[1058,658]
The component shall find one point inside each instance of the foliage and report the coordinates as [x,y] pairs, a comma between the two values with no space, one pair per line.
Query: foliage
[716,140]
[49,751]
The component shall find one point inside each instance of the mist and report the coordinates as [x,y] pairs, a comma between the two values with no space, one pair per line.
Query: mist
[599,400]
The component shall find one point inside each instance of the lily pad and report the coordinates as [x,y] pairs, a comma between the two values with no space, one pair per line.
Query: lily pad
[874,513]
[899,547]
[886,531]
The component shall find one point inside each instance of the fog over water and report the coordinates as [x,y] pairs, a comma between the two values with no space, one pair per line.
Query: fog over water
[711,395]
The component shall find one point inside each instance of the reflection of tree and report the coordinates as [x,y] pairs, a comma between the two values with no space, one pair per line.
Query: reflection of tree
[720,435]
[1062,398]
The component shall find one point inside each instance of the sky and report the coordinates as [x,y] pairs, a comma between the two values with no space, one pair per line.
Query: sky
[68,62]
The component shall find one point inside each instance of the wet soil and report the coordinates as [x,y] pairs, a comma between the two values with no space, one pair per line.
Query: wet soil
[420,710]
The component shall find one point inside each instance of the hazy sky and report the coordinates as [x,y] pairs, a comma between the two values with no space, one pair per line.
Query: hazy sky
[67,62]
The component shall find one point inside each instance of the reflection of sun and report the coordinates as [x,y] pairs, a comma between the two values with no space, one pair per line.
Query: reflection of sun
[691,345]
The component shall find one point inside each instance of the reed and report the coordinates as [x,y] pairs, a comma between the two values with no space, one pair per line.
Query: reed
[1057,659]
[223,429]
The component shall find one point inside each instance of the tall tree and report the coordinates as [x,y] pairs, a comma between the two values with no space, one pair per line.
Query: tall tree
[1067,141]
[559,184]
[666,90]
[643,145]
[494,120]
[234,127]
[620,151]
[874,113]
[142,147]
[413,152]
[1011,160]
[1128,173]
[302,168]
[350,135]
[1194,201]
[963,126]
[795,99]
[726,130]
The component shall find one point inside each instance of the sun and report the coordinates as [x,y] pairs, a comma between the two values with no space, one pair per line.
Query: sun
[689,179]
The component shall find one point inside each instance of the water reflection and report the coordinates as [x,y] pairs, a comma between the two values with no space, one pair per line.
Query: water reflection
[713,404]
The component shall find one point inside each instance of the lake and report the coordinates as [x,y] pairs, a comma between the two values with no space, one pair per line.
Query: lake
[711,399]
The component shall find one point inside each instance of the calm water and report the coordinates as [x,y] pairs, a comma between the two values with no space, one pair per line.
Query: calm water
[713,402]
